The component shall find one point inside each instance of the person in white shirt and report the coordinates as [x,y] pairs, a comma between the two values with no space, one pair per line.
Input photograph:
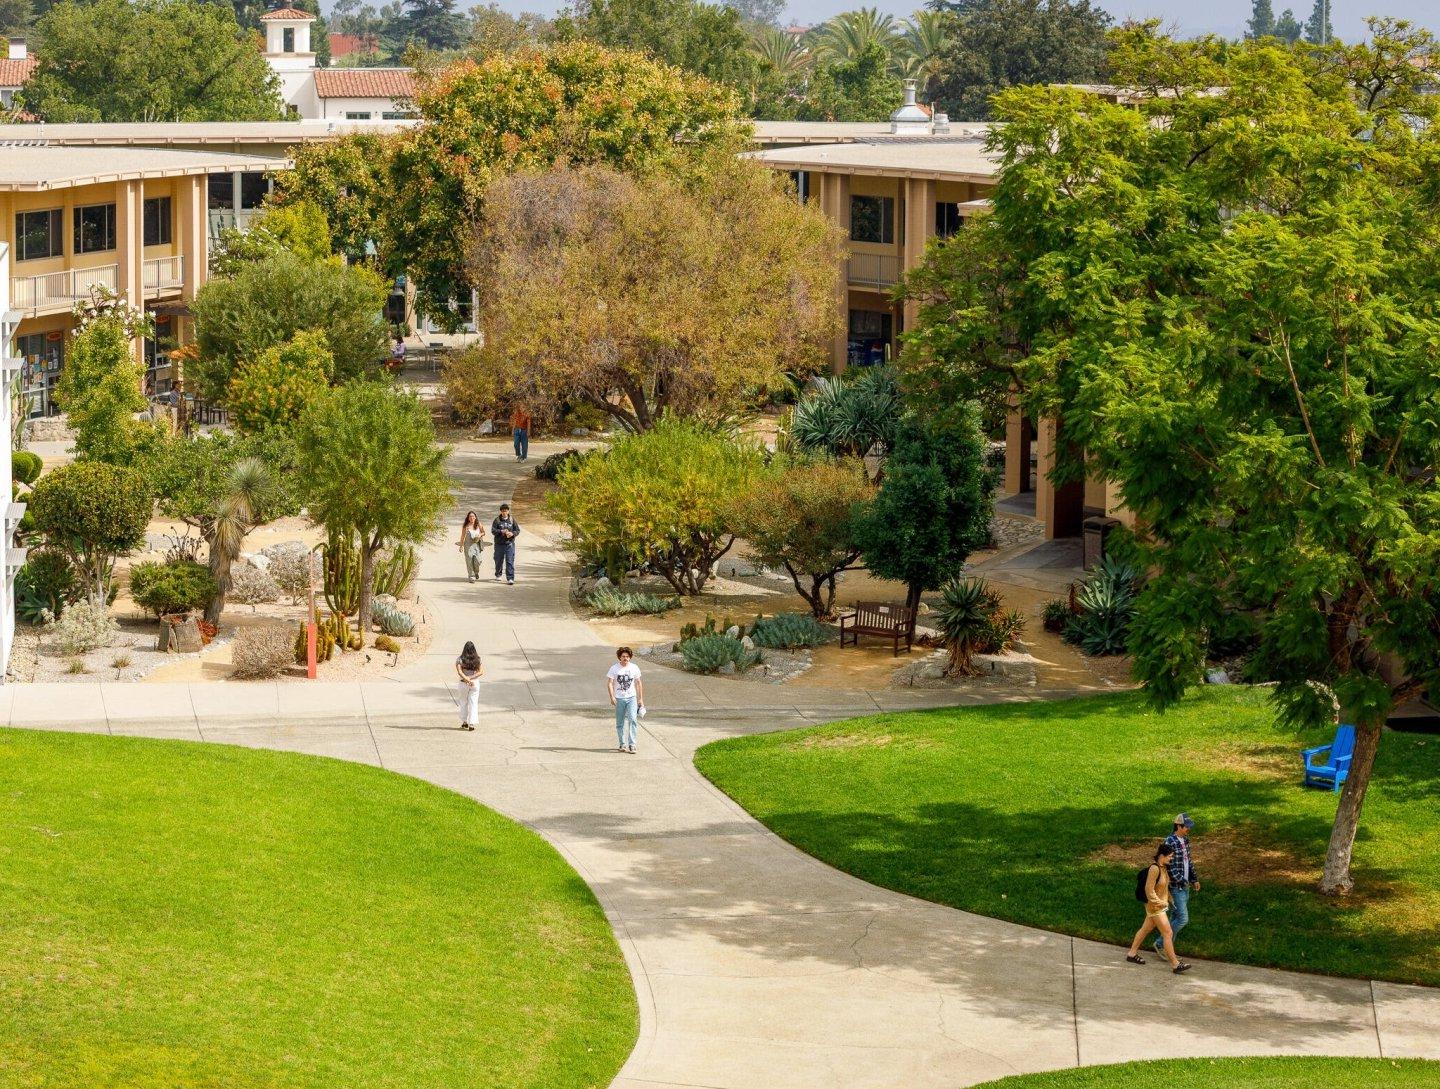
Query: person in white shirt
[627,696]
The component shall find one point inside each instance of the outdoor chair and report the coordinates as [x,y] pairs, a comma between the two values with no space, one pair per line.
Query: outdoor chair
[1336,767]
[877,618]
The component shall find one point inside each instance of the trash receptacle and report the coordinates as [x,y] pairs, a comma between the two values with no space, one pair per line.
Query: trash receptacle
[1096,529]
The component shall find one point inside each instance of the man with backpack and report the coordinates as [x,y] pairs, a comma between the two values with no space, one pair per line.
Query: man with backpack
[503,531]
[1183,877]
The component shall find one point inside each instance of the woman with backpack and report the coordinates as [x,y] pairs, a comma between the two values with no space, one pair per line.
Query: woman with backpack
[1152,888]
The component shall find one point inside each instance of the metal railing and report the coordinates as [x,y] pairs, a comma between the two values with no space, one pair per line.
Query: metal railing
[61,290]
[873,269]
[164,274]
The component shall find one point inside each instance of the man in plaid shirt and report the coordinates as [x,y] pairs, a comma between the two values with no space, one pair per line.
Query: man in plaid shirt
[1183,877]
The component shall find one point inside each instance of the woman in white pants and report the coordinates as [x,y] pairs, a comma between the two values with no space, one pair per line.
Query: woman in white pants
[469,669]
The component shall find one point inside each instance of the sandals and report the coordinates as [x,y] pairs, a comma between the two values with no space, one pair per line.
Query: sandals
[1181,968]
[1136,959]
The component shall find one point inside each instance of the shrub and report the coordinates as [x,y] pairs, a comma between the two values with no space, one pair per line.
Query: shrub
[265,650]
[1106,608]
[709,653]
[661,496]
[789,630]
[1056,615]
[473,381]
[290,568]
[77,666]
[47,583]
[83,627]
[608,601]
[848,414]
[388,645]
[166,589]
[95,512]
[25,466]
[251,586]
[1005,629]
[392,620]
[549,469]
[272,388]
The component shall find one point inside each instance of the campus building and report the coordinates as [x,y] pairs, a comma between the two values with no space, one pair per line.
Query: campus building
[134,221]
[348,94]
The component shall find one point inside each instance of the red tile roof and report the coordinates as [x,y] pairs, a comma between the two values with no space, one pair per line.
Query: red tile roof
[287,13]
[342,45]
[365,83]
[15,72]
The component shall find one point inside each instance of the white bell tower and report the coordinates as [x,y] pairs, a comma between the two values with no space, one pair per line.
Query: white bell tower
[288,52]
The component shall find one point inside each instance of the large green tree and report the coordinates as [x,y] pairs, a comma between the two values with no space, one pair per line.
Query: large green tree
[100,390]
[266,303]
[995,44]
[707,39]
[1262,19]
[577,102]
[98,62]
[369,465]
[15,16]
[435,24]
[1228,296]
[862,87]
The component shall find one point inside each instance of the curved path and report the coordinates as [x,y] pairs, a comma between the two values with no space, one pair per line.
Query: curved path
[755,965]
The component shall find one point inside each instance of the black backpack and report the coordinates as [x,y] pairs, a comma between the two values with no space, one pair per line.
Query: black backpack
[1140,879]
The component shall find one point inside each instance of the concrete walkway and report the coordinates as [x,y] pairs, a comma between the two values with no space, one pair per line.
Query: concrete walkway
[755,965]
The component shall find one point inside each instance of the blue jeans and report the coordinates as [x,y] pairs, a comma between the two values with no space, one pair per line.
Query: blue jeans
[522,443]
[1179,913]
[625,721]
[505,558]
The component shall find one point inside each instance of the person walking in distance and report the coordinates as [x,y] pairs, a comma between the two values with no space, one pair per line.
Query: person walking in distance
[1152,888]
[627,696]
[505,529]
[470,669]
[1183,878]
[472,543]
[520,429]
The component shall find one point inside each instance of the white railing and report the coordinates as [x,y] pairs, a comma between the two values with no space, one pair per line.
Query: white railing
[61,290]
[164,274]
[875,269]
[220,219]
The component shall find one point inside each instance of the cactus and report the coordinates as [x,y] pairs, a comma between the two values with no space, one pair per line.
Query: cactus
[388,645]
[340,561]
[395,571]
[324,644]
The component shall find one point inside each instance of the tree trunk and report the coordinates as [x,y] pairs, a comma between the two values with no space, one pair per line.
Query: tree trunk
[912,604]
[1336,881]
[367,583]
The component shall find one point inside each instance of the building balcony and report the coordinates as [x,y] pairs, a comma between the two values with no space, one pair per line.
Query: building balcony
[873,270]
[164,276]
[55,292]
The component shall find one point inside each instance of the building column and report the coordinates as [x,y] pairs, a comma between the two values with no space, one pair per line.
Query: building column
[1017,448]
[194,227]
[1061,508]
[835,203]
[919,227]
[130,248]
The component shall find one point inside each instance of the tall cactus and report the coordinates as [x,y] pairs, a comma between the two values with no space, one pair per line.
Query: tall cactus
[340,557]
[395,572]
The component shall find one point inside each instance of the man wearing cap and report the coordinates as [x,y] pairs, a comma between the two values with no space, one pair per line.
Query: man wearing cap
[503,531]
[1183,877]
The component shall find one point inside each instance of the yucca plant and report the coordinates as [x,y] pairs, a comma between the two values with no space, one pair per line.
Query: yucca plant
[965,617]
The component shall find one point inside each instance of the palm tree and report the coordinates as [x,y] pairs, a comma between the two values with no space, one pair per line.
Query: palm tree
[779,52]
[922,40]
[234,515]
[848,35]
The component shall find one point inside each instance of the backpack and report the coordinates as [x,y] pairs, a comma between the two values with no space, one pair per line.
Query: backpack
[1140,879]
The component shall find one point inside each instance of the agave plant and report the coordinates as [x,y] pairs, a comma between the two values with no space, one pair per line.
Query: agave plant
[1106,607]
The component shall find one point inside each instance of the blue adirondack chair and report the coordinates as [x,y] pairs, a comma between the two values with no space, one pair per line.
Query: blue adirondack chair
[1332,772]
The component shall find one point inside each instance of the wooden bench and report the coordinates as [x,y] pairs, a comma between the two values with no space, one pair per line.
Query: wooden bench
[878,618]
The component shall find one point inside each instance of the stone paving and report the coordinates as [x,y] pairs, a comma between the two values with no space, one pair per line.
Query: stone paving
[755,965]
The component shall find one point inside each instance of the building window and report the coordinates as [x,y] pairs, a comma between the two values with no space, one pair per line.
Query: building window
[287,40]
[253,190]
[948,219]
[357,115]
[39,234]
[220,192]
[157,221]
[872,219]
[95,228]
[801,181]
[397,115]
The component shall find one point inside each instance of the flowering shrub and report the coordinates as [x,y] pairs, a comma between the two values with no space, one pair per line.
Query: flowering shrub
[83,627]
[273,388]
[251,586]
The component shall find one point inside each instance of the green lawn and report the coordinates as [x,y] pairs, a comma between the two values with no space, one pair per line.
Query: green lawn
[1237,1074]
[183,915]
[1041,813]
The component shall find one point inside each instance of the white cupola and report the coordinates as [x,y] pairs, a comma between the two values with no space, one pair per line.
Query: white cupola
[287,39]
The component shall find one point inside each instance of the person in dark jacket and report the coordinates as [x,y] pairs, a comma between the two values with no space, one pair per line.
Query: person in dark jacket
[503,532]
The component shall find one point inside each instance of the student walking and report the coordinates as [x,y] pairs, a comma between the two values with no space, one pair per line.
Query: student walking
[627,696]
[472,544]
[1183,877]
[470,669]
[505,529]
[1153,888]
[520,429]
